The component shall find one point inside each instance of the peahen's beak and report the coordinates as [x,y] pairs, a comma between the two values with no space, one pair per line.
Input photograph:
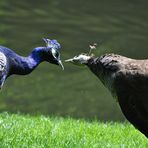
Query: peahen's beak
[74,61]
[69,60]
[79,60]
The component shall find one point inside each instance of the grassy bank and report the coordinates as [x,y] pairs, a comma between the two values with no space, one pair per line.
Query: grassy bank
[39,132]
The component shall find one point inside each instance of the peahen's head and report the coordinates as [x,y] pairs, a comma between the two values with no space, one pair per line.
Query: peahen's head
[51,52]
[82,59]
[79,60]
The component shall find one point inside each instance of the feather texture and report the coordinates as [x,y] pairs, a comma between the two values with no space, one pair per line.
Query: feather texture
[127,79]
[3,62]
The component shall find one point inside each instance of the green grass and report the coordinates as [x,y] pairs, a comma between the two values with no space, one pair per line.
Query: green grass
[40,132]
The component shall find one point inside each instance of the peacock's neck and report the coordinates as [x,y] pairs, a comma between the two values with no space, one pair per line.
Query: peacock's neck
[25,65]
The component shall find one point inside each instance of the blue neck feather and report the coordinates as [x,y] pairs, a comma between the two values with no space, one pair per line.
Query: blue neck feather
[24,65]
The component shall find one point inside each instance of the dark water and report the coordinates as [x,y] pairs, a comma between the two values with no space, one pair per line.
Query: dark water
[119,26]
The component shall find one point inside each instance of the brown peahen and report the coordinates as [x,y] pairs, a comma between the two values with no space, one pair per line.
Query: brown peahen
[127,80]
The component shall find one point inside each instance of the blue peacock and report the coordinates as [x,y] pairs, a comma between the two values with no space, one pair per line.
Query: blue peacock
[12,63]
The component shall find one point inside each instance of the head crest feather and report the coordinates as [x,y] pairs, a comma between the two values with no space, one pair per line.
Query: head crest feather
[52,43]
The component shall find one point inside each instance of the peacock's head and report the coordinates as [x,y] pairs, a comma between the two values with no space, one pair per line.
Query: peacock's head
[51,52]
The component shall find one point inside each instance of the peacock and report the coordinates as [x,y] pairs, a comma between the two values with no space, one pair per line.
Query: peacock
[127,80]
[12,63]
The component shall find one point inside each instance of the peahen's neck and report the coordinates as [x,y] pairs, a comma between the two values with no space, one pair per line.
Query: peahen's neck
[25,65]
[98,69]
[95,66]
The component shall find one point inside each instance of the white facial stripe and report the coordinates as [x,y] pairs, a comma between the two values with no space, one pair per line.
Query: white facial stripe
[53,52]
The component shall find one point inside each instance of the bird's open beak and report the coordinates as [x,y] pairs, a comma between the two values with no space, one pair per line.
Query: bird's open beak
[73,61]
[61,64]
[69,60]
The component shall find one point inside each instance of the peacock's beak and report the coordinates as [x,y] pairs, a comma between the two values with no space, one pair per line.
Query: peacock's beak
[61,64]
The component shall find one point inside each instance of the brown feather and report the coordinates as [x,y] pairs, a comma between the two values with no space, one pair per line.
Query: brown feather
[127,79]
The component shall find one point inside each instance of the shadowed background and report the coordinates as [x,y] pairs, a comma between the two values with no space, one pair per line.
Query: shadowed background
[119,26]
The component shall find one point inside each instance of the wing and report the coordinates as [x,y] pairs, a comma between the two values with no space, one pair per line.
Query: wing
[132,93]
[3,65]
[127,79]
[3,61]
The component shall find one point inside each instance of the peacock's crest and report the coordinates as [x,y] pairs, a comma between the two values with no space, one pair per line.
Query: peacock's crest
[52,43]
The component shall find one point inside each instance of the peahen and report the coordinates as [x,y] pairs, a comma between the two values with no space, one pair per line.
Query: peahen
[127,80]
[12,63]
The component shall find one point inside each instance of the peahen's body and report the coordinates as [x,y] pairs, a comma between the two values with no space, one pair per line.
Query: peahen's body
[12,63]
[127,79]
